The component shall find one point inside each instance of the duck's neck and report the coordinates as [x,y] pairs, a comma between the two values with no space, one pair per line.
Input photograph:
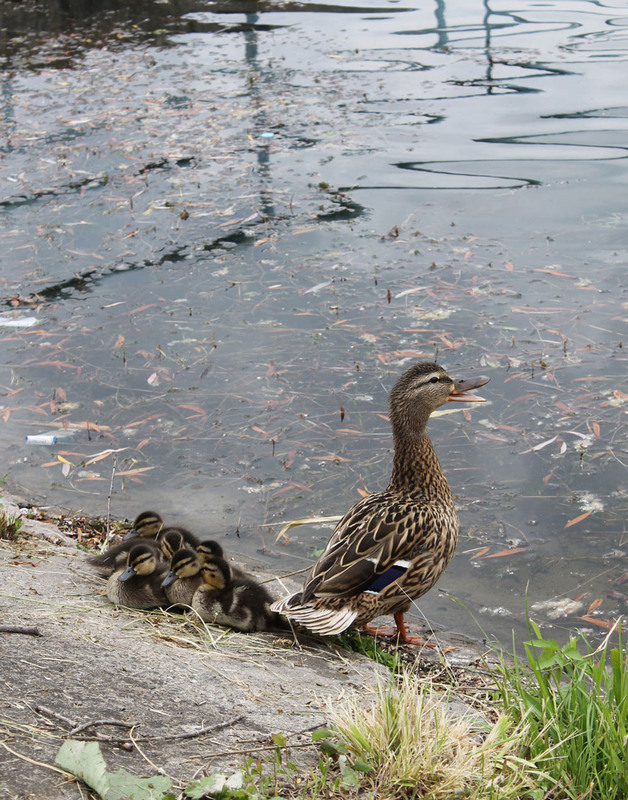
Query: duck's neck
[416,470]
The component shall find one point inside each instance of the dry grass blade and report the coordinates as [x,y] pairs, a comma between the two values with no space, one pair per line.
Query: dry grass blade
[417,745]
[305,521]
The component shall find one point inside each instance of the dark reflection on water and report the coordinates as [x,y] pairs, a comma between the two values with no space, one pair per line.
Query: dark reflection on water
[221,227]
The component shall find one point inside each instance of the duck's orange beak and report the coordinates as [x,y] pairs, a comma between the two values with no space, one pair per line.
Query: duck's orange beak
[462,388]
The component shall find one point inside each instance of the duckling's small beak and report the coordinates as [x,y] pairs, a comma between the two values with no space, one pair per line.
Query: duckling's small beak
[129,572]
[463,387]
[130,534]
[170,577]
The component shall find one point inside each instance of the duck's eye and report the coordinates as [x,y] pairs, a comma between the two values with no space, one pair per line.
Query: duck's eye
[434,380]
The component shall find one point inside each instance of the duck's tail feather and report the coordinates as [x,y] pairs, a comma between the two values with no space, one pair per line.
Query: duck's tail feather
[324,621]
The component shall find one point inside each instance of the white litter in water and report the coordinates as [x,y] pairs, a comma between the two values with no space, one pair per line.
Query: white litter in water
[41,438]
[19,322]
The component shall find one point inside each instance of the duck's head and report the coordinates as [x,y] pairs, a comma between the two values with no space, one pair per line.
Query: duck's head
[171,540]
[141,560]
[208,549]
[216,573]
[184,564]
[421,390]
[147,524]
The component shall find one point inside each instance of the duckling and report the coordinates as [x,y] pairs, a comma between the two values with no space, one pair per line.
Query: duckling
[138,585]
[392,546]
[184,577]
[148,524]
[208,549]
[170,541]
[236,602]
[146,527]
[168,537]
[115,557]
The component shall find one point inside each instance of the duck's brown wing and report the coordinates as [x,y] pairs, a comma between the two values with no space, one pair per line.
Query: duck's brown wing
[376,533]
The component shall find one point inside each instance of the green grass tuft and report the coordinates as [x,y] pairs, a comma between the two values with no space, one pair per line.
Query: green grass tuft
[574,701]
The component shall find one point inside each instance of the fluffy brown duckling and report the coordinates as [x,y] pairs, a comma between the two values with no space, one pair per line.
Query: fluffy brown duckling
[208,549]
[146,527]
[169,540]
[148,524]
[183,578]
[235,602]
[138,585]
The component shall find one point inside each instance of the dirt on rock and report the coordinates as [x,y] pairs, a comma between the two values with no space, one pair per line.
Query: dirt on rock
[160,693]
[188,700]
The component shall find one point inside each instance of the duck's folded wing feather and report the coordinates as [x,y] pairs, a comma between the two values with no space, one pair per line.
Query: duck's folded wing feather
[370,538]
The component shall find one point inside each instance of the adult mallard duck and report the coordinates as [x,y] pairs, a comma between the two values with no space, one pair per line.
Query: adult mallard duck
[392,546]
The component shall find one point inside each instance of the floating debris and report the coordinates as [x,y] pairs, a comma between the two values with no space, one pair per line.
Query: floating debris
[18,322]
[41,438]
[557,608]
[499,611]
[590,502]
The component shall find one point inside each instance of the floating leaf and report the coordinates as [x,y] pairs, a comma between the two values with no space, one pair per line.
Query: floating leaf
[508,552]
[540,446]
[103,454]
[594,605]
[318,287]
[142,308]
[601,623]
[136,471]
[196,409]
[576,520]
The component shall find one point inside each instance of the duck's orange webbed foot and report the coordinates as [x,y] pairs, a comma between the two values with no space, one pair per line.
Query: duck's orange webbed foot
[400,632]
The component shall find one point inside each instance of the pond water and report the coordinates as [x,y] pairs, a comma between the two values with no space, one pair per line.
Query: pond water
[226,228]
